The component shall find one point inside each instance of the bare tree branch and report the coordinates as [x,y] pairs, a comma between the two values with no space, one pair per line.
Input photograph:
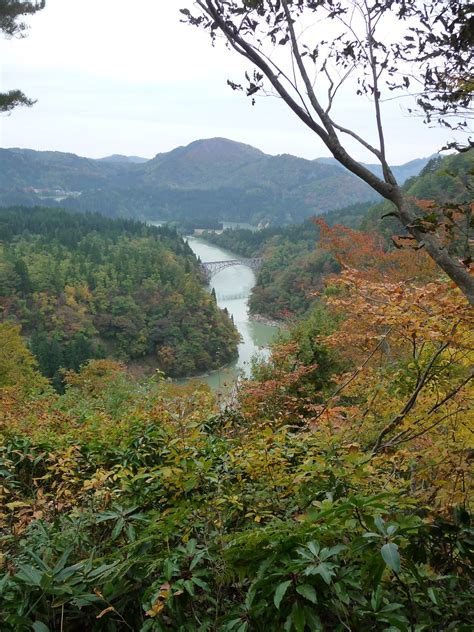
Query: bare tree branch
[397,420]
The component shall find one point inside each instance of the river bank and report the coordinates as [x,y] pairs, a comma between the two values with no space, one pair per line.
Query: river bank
[280,324]
[232,287]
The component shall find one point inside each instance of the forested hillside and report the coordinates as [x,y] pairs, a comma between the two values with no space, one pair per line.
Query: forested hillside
[83,286]
[294,268]
[215,179]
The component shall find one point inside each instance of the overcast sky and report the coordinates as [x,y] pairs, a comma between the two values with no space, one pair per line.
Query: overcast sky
[115,76]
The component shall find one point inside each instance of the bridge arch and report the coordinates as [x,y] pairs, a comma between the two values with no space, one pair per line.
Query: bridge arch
[210,268]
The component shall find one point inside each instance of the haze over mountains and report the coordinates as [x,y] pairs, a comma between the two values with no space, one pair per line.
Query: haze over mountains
[213,179]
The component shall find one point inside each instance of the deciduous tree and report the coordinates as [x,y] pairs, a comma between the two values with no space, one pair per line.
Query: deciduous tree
[329,43]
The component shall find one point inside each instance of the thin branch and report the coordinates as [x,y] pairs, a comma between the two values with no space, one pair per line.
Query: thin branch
[396,421]
[304,74]
[397,439]
[388,175]
[354,375]
[451,394]
[293,84]
[364,143]
[333,90]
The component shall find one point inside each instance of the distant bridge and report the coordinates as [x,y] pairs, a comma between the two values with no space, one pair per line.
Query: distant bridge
[213,267]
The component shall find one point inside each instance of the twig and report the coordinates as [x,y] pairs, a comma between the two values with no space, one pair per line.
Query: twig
[354,375]
[410,403]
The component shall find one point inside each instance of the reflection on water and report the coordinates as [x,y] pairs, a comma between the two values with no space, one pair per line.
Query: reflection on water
[232,287]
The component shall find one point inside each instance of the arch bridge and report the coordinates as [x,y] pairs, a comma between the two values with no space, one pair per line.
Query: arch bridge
[210,268]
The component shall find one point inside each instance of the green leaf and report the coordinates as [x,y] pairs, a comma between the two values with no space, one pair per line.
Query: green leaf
[299,617]
[432,596]
[68,572]
[117,530]
[371,534]
[323,570]
[280,592]
[380,524]
[189,587]
[61,563]
[391,607]
[168,569]
[103,568]
[199,582]
[391,556]
[308,592]
[29,575]
[335,550]
[130,531]
[191,547]
[230,625]
[314,548]
[40,627]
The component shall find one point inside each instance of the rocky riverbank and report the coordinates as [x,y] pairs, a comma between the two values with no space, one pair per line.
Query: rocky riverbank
[268,321]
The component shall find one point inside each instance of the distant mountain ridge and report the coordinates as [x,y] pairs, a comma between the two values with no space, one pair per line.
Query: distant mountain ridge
[212,178]
[401,172]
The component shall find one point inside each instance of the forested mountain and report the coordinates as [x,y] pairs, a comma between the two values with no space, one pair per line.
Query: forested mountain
[84,286]
[401,172]
[208,179]
[122,158]
[294,268]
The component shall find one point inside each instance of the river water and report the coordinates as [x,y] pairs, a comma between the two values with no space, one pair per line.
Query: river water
[232,287]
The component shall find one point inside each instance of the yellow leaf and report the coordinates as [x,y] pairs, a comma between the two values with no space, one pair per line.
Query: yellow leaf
[156,608]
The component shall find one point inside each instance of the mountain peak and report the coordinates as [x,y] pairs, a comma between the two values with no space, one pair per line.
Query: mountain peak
[220,147]
[124,159]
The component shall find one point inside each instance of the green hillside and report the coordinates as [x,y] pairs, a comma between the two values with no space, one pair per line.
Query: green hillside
[83,286]
[293,268]
[208,179]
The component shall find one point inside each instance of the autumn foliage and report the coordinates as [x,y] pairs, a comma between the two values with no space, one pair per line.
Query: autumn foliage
[334,494]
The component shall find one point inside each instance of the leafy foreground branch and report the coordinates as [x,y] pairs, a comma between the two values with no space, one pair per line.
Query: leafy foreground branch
[183,519]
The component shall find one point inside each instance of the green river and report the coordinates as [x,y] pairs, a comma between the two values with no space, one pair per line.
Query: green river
[232,287]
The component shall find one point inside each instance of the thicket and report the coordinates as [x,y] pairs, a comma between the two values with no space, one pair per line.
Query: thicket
[334,495]
[83,286]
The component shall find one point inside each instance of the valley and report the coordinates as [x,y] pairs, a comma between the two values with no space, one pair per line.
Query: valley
[232,288]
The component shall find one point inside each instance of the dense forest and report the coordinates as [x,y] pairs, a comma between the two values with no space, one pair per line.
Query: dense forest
[83,286]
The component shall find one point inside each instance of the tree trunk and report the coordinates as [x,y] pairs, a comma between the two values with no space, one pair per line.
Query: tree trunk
[455,270]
